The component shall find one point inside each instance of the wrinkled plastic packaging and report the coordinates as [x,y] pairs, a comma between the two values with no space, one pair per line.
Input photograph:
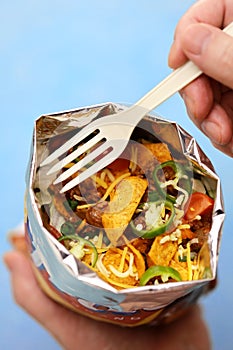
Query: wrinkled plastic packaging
[73,284]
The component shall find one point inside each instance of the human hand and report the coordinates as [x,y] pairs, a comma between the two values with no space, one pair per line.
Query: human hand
[209,99]
[73,331]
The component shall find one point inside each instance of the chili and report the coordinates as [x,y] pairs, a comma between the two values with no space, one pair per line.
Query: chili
[165,272]
[82,242]
[160,224]
[171,178]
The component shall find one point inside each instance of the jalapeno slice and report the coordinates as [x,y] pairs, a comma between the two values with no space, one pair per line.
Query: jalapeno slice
[173,180]
[165,272]
[156,218]
[80,243]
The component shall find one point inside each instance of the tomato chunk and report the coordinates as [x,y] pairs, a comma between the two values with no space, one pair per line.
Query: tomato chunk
[119,164]
[199,204]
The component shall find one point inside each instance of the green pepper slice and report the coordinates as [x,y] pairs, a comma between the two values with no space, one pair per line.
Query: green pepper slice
[165,272]
[155,223]
[81,243]
[68,228]
[171,178]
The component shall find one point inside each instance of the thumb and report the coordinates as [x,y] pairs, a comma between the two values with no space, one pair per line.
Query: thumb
[27,292]
[211,50]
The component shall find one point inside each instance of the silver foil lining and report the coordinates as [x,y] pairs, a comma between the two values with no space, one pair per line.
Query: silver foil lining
[74,278]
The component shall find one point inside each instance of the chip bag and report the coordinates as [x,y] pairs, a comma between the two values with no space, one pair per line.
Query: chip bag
[136,243]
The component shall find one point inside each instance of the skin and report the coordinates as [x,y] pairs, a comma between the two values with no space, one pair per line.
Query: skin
[209,99]
[73,331]
[209,102]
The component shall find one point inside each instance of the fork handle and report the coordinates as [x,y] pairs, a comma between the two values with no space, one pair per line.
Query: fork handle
[174,82]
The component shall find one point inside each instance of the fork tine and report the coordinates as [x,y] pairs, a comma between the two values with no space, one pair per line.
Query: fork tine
[93,169]
[79,137]
[82,163]
[60,164]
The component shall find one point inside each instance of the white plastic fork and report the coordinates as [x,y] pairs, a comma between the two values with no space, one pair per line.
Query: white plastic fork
[113,132]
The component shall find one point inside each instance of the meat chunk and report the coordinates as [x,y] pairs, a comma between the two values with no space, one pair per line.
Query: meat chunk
[94,214]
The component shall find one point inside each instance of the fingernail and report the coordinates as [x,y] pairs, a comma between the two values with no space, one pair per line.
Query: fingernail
[211,130]
[197,38]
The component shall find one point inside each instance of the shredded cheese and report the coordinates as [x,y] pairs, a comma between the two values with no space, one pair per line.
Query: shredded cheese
[99,181]
[153,216]
[81,226]
[174,236]
[183,226]
[100,266]
[119,284]
[128,272]
[109,174]
[133,160]
[179,214]
[164,239]
[189,264]
[193,241]
[181,251]
[79,198]
[113,184]
[107,193]
[118,273]
[103,175]
[69,165]
[182,198]
[100,240]
[122,263]
[196,271]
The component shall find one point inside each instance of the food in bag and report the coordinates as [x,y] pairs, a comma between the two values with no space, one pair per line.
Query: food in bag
[139,236]
[144,219]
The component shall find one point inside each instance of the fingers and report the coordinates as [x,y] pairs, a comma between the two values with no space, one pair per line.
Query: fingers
[211,50]
[212,12]
[72,330]
[63,324]
[227,149]
[199,98]
[211,111]
[218,127]
[29,296]
[68,328]
[213,115]
[199,39]
[25,288]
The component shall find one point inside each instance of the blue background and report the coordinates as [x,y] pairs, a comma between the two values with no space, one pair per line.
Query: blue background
[57,55]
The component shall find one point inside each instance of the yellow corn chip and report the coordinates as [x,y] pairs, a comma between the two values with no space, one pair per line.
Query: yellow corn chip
[151,154]
[122,206]
[139,260]
[112,261]
[160,151]
[181,267]
[161,254]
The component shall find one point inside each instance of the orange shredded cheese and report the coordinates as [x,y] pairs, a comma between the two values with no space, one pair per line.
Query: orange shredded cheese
[122,263]
[107,193]
[189,263]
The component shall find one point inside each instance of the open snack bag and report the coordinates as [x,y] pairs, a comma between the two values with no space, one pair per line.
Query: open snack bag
[136,243]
